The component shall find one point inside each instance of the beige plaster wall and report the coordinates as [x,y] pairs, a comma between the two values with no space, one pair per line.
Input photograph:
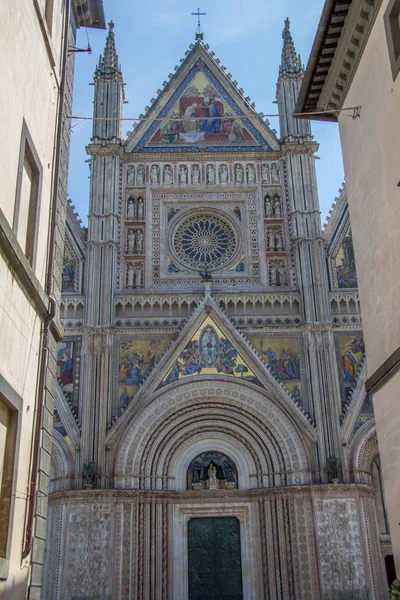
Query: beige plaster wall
[30,81]
[371,151]
[387,415]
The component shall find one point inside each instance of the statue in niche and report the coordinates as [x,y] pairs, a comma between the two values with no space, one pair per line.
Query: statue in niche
[277,207]
[271,240]
[140,175]
[282,274]
[139,240]
[154,171]
[130,175]
[130,276]
[183,175]
[195,175]
[229,469]
[131,239]
[275,173]
[89,471]
[273,272]
[333,466]
[196,471]
[223,174]
[140,208]
[168,175]
[210,174]
[251,174]
[278,240]
[268,207]
[265,173]
[238,173]
[131,210]
[139,277]
[212,483]
[214,466]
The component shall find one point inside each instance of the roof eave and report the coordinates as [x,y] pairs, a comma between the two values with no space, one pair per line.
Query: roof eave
[92,16]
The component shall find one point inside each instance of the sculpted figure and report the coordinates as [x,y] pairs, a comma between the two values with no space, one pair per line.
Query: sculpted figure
[239,174]
[195,175]
[278,240]
[140,175]
[210,174]
[223,174]
[130,213]
[273,274]
[268,207]
[130,175]
[131,276]
[131,238]
[140,208]
[251,174]
[212,476]
[277,207]
[271,239]
[183,175]
[265,173]
[139,276]
[282,275]
[139,240]
[168,175]
[274,173]
[154,174]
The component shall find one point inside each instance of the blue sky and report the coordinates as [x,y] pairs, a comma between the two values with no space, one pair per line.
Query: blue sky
[152,37]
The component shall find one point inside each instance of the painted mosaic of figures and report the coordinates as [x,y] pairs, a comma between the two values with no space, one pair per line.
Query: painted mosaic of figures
[345,264]
[68,362]
[201,114]
[282,357]
[209,353]
[351,352]
[136,359]
[68,272]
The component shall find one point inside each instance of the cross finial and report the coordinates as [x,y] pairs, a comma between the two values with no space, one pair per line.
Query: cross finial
[199,33]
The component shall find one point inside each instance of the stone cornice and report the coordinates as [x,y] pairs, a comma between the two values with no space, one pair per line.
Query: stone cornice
[316,491]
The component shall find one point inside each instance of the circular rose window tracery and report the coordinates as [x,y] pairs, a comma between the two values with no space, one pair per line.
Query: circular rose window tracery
[204,241]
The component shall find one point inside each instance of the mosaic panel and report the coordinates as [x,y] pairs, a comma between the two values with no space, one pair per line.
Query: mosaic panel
[282,357]
[136,359]
[209,353]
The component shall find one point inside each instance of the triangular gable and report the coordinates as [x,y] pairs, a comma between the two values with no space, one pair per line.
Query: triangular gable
[209,352]
[201,109]
[232,356]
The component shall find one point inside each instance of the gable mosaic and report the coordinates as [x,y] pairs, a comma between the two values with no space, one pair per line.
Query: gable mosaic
[202,115]
[209,352]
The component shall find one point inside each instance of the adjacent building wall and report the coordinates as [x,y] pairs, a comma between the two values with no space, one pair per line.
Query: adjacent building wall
[371,150]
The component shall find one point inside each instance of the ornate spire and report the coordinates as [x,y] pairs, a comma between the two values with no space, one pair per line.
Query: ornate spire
[291,62]
[109,61]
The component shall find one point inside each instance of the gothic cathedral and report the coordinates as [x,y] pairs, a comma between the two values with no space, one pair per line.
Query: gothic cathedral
[212,436]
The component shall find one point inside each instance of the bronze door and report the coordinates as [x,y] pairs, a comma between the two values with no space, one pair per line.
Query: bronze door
[214,559]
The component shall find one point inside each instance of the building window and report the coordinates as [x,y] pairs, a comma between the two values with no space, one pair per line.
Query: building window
[8,431]
[392,26]
[27,198]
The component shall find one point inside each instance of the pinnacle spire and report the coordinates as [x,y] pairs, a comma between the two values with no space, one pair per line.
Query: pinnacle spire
[291,62]
[109,61]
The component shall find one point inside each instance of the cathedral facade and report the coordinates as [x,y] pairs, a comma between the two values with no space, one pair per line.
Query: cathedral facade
[212,436]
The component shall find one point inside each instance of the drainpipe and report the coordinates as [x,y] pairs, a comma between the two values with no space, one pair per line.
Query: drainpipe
[43,363]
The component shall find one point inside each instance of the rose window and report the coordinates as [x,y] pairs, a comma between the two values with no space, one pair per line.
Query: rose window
[205,242]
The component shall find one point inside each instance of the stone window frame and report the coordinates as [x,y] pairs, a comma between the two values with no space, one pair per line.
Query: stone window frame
[28,152]
[391,19]
[12,403]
